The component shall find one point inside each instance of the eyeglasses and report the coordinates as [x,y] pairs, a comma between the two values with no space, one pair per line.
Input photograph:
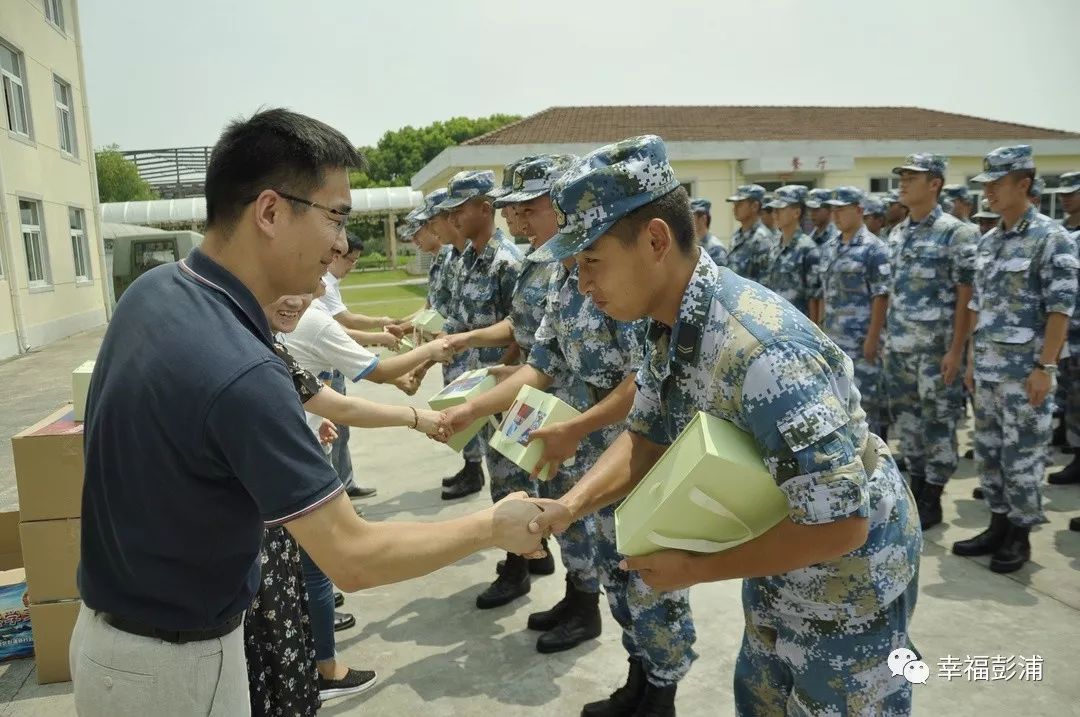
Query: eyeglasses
[342,217]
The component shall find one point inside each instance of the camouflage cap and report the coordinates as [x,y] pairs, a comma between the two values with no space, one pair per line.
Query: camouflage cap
[1004,160]
[985,212]
[507,185]
[407,230]
[534,178]
[816,197]
[748,191]
[846,196]
[788,195]
[947,204]
[1038,186]
[1069,183]
[701,206]
[956,191]
[924,162]
[466,185]
[431,203]
[873,206]
[601,188]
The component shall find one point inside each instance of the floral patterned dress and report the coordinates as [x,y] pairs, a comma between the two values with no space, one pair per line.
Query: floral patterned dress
[278,643]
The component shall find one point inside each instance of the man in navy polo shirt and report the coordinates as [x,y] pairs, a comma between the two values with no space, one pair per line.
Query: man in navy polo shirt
[195,440]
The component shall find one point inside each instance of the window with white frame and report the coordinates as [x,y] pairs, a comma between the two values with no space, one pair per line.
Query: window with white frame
[80,250]
[12,76]
[37,255]
[54,12]
[65,117]
[881,185]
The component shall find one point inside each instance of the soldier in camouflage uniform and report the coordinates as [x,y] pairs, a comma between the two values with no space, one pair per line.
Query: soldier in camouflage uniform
[874,216]
[820,621]
[751,243]
[821,216]
[1035,192]
[792,271]
[895,211]
[711,243]
[855,279]
[933,267]
[1025,292]
[768,218]
[963,203]
[986,218]
[1069,377]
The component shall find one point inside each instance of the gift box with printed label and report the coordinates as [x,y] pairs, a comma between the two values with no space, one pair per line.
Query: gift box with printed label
[709,492]
[466,386]
[429,321]
[533,409]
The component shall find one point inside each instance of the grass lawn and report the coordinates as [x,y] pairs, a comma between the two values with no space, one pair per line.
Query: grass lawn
[386,300]
[385,276]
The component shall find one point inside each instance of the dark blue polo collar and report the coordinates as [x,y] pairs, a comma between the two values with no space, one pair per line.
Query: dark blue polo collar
[200,268]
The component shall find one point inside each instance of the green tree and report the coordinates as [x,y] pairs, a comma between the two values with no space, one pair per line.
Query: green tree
[119,180]
[401,153]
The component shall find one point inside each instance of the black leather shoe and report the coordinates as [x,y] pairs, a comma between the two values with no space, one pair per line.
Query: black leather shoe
[970,454]
[579,621]
[1014,552]
[929,505]
[512,583]
[1068,475]
[339,599]
[978,493]
[657,701]
[343,621]
[471,481]
[623,702]
[987,542]
[451,480]
[359,492]
[537,566]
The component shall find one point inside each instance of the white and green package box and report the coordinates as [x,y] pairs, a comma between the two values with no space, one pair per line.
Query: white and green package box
[80,387]
[405,345]
[709,492]
[468,385]
[429,321]
[533,409]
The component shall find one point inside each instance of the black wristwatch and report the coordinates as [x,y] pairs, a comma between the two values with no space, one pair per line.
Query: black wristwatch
[1048,368]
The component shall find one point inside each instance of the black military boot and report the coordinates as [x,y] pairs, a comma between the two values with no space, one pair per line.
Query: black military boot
[657,701]
[624,701]
[451,480]
[929,504]
[471,481]
[537,566]
[547,619]
[580,621]
[1013,553]
[987,542]
[917,483]
[1068,475]
[512,583]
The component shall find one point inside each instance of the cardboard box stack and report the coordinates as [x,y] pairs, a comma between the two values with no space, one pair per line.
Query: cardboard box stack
[49,473]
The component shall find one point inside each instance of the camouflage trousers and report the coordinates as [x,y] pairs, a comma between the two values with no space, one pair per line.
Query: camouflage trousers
[813,668]
[1068,397]
[474,450]
[577,544]
[925,412]
[657,627]
[1010,449]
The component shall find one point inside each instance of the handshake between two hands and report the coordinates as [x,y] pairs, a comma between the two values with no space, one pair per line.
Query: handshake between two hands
[519,523]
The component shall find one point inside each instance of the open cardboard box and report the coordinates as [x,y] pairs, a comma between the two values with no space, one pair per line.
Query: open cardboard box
[532,410]
[709,492]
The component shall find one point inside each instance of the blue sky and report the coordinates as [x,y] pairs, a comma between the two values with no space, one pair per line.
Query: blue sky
[172,74]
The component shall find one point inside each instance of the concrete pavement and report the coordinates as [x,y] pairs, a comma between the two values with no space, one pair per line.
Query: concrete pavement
[436,655]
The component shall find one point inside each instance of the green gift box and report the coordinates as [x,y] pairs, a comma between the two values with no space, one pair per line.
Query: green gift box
[405,345]
[533,409]
[429,321]
[710,491]
[468,385]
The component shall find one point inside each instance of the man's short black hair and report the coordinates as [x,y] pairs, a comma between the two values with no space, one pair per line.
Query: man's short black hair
[274,149]
[356,244]
[673,208]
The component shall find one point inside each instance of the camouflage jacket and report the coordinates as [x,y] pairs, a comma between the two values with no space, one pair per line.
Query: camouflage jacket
[715,249]
[737,352]
[1022,276]
[852,274]
[792,271]
[928,259]
[484,289]
[749,253]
